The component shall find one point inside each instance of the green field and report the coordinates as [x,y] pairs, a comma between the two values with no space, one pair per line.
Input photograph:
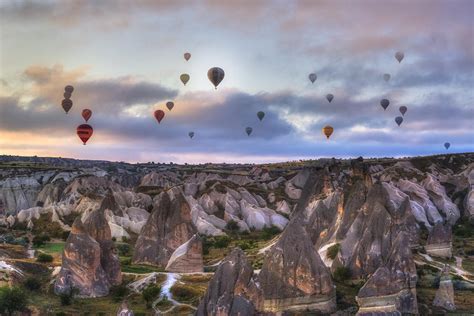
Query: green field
[52,247]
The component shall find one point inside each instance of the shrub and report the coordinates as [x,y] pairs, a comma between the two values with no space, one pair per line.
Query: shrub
[32,283]
[123,249]
[151,293]
[12,300]
[39,240]
[186,293]
[333,251]
[124,239]
[118,292]
[64,235]
[44,257]
[221,241]
[232,226]
[342,274]
[68,297]
[270,232]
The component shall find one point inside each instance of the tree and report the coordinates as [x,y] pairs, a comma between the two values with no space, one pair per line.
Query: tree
[12,300]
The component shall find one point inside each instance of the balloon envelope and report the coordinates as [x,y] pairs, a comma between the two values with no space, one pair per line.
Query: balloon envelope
[184,78]
[187,56]
[86,114]
[386,77]
[312,77]
[403,109]
[215,75]
[384,103]
[159,115]
[399,56]
[84,131]
[67,105]
[260,115]
[170,105]
[69,88]
[399,120]
[446,145]
[328,130]
[248,130]
[67,95]
[329,97]
[191,134]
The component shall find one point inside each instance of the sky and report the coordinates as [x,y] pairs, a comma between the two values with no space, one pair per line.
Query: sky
[124,59]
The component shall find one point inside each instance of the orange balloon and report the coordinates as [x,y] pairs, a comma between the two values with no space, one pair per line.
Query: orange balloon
[327,130]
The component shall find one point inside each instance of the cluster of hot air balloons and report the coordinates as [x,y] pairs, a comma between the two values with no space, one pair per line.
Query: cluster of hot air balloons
[327,130]
[215,76]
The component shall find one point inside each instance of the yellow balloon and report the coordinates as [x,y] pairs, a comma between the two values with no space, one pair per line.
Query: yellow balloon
[184,78]
[327,130]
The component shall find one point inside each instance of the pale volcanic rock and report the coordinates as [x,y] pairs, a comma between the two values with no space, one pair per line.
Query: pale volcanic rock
[444,296]
[81,265]
[19,193]
[232,290]
[439,243]
[293,276]
[283,207]
[437,193]
[187,258]
[169,226]
[392,288]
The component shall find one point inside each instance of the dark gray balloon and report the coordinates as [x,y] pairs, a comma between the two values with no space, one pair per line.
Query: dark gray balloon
[399,120]
[215,75]
[446,145]
[403,109]
[399,56]
[248,130]
[191,134]
[260,115]
[312,77]
[329,97]
[386,77]
[384,103]
[69,88]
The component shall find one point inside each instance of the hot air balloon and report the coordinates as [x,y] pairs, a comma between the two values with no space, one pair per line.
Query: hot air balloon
[86,114]
[386,77]
[399,56]
[170,105]
[403,109]
[84,131]
[327,130]
[312,77]
[384,103]
[67,95]
[191,134]
[69,89]
[399,120]
[329,97]
[187,56]
[248,130]
[67,105]
[215,75]
[159,115]
[184,78]
[260,115]
[446,145]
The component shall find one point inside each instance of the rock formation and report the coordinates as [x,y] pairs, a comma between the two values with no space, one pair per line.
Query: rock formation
[187,258]
[392,288]
[168,227]
[232,290]
[445,294]
[439,242]
[293,276]
[81,265]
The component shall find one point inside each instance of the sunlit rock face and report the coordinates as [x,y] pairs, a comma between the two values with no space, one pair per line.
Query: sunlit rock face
[81,265]
[233,289]
[444,296]
[293,276]
[439,243]
[187,257]
[168,227]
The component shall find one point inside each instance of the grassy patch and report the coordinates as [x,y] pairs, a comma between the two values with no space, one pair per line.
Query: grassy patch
[190,294]
[52,247]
